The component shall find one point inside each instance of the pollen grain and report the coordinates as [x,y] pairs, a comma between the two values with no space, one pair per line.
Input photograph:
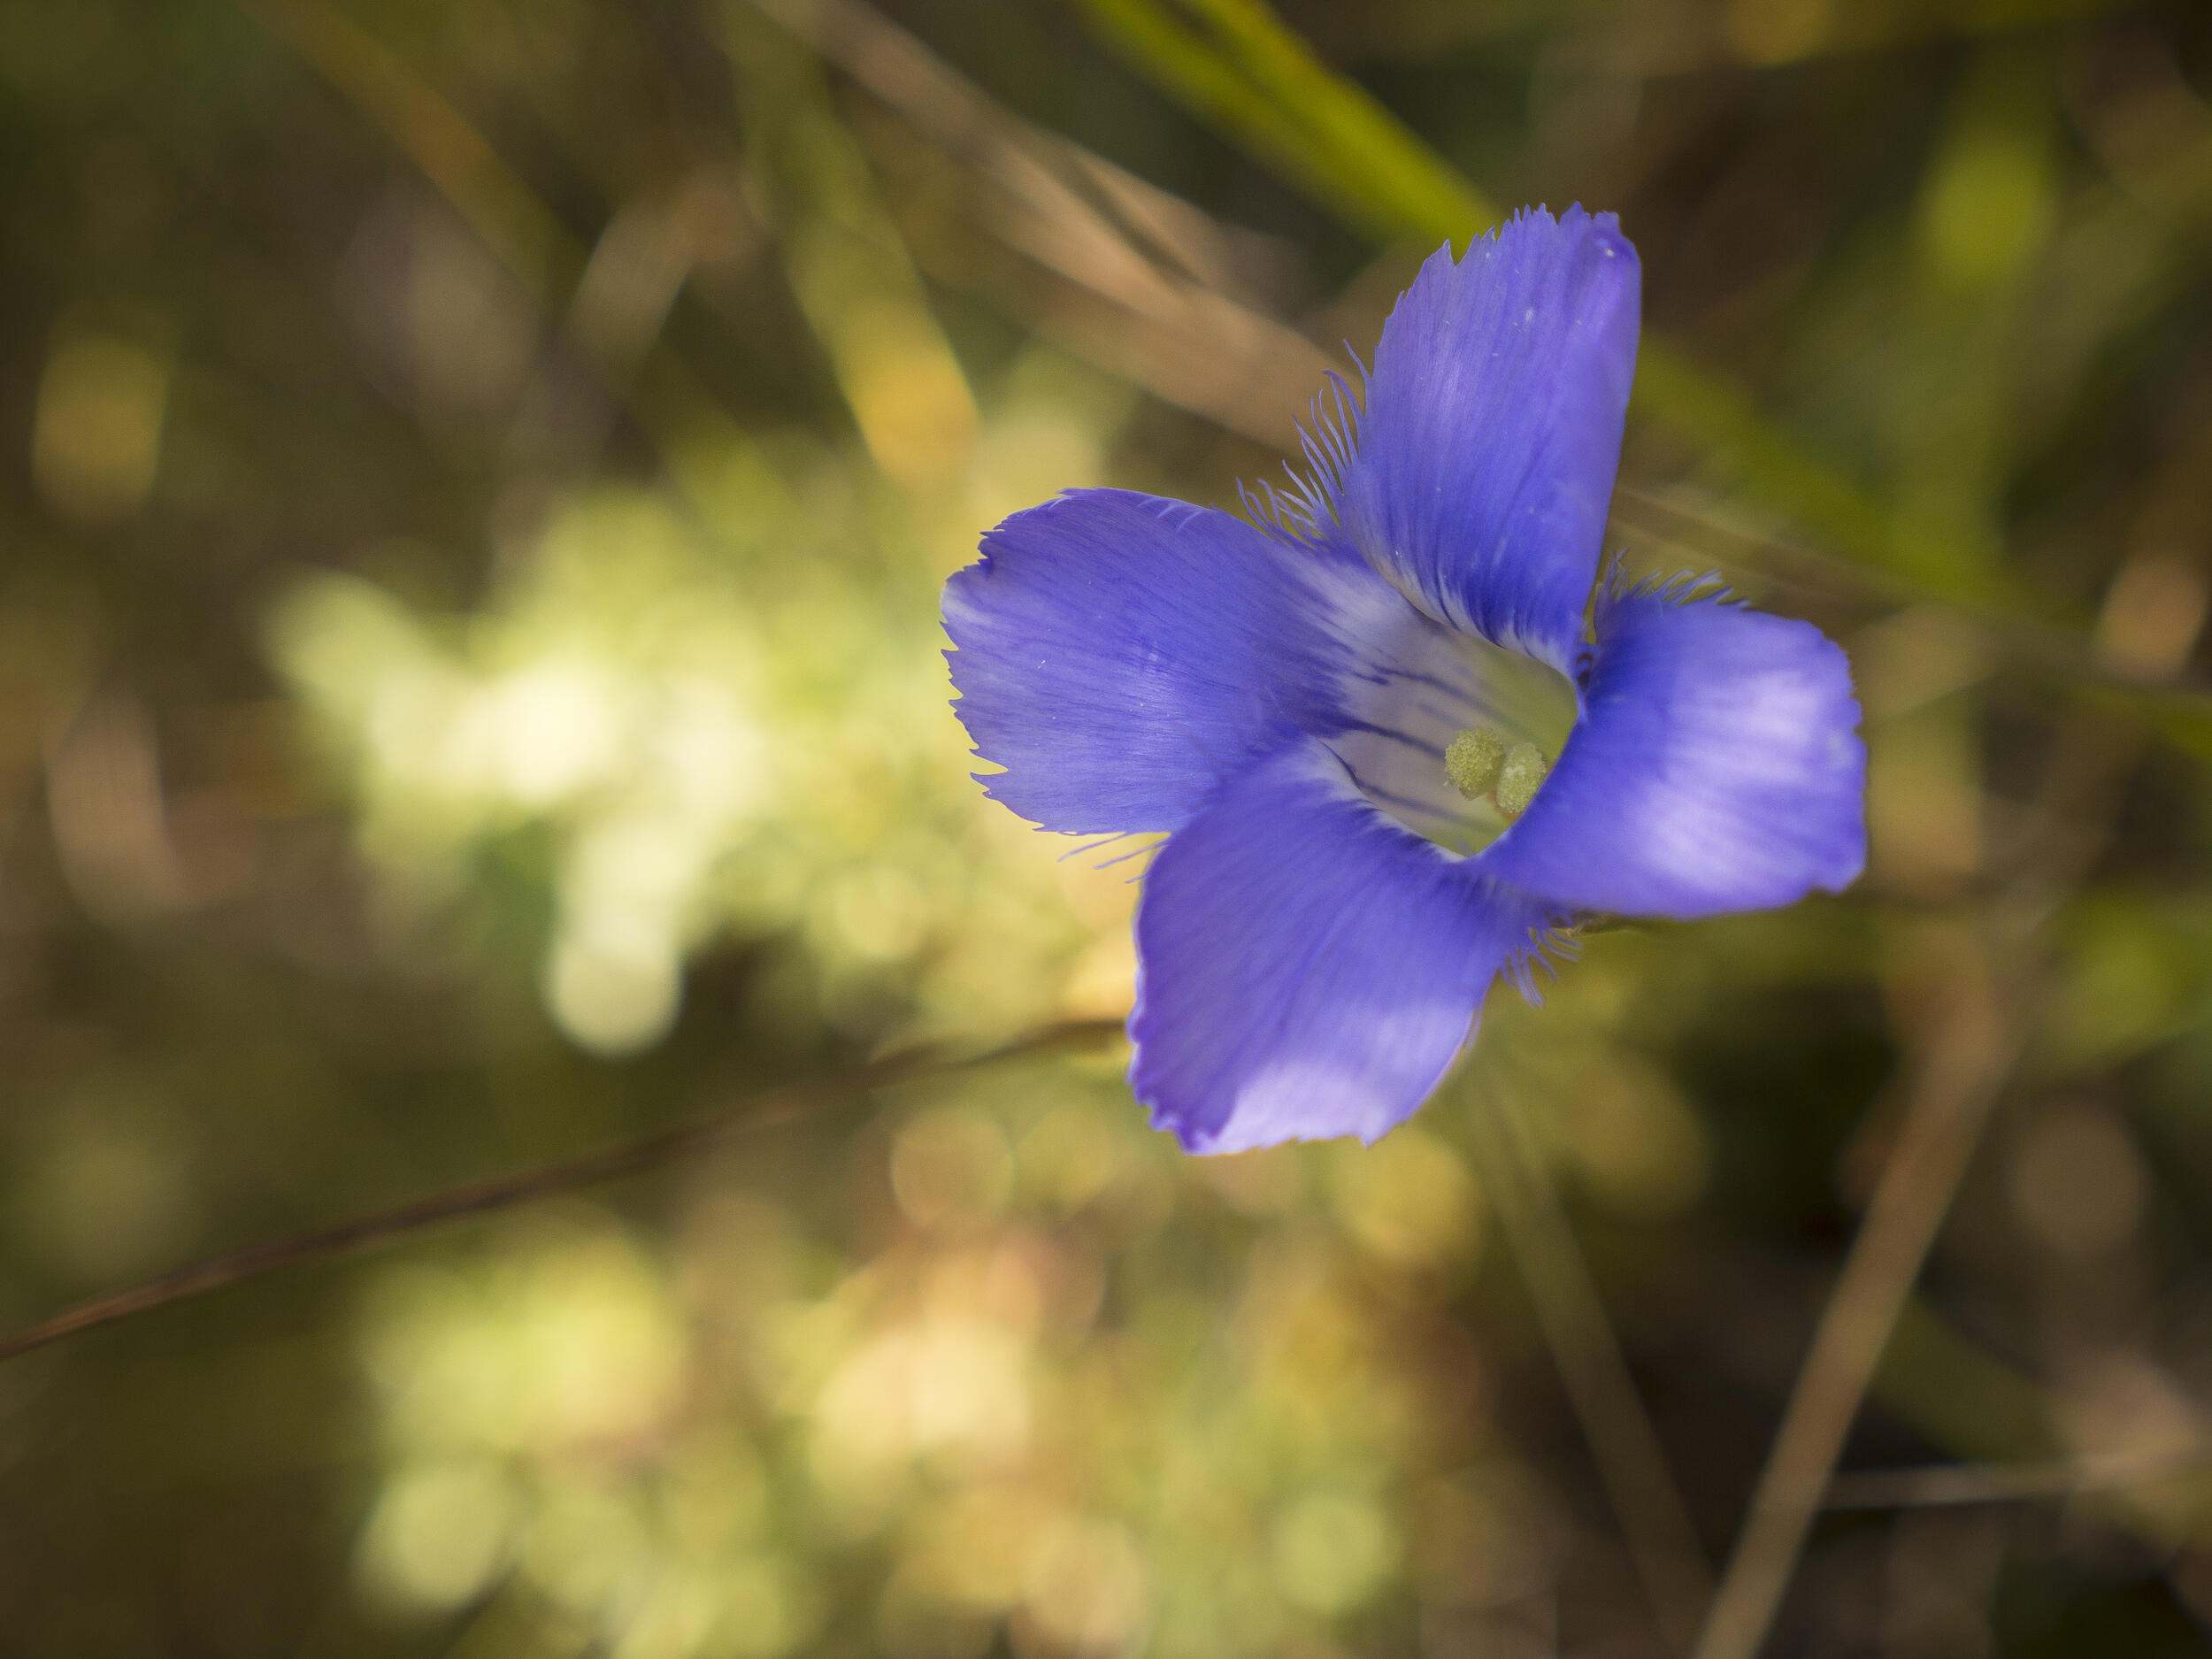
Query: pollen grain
[1472,762]
[1519,777]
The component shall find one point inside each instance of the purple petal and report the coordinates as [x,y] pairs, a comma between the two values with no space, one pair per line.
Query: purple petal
[1717,766]
[1308,968]
[1120,655]
[1485,455]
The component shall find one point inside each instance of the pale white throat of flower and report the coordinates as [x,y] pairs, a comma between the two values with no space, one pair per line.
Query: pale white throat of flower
[1413,688]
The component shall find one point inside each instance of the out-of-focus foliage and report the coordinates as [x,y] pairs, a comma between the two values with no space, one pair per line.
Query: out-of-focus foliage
[666,736]
[479,480]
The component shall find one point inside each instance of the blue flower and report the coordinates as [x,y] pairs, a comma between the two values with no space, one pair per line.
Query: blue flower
[1395,741]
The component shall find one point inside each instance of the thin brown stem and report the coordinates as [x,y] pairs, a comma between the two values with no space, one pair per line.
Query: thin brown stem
[1625,1445]
[1967,1060]
[1961,1483]
[506,1192]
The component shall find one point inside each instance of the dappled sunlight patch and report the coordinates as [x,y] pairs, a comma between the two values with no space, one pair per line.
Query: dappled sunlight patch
[594,746]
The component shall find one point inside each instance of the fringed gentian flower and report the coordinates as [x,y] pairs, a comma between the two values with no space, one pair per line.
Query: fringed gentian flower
[1397,744]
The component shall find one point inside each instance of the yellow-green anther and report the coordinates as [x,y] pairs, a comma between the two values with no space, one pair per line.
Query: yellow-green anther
[1520,777]
[1472,762]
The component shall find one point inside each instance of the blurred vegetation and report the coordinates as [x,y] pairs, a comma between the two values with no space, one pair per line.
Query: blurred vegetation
[478,480]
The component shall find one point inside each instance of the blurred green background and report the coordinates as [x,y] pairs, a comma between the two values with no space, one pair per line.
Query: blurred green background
[477,481]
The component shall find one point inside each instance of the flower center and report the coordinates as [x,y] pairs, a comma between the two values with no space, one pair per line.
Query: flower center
[1483,766]
[1450,735]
